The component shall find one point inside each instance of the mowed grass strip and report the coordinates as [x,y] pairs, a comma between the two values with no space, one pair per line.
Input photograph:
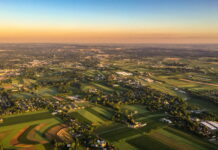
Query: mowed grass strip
[145,142]
[119,133]
[25,118]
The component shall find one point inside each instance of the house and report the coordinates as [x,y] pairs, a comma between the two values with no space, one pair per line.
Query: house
[1,120]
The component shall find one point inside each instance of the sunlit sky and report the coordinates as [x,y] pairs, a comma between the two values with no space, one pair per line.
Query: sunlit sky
[109,21]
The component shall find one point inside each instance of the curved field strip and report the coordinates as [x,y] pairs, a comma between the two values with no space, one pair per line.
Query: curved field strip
[23,137]
[33,134]
[14,140]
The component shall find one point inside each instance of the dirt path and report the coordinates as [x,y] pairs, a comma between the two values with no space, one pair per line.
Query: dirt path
[16,143]
[211,84]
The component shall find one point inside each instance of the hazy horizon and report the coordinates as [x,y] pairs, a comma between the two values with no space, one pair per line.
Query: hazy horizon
[109,21]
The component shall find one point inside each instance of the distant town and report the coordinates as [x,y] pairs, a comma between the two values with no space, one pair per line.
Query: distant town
[77,96]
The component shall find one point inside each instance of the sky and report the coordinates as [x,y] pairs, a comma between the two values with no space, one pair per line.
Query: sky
[109,21]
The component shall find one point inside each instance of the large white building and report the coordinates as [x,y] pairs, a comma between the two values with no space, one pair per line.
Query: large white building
[210,125]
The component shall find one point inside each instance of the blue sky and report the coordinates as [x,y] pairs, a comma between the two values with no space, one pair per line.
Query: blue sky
[132,15]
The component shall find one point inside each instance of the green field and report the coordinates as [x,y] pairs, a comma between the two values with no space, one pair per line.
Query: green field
[95,115]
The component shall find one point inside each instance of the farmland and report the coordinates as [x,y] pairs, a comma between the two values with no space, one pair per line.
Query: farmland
[27,130]
[112,97]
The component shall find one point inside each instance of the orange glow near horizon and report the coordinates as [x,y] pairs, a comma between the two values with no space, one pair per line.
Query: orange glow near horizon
[110,35]
[100,21]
